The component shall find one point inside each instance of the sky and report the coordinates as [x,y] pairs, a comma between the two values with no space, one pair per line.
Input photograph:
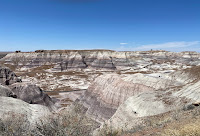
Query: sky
[122,25]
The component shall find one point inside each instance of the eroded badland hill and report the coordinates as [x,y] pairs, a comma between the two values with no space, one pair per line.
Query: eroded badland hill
[101,92]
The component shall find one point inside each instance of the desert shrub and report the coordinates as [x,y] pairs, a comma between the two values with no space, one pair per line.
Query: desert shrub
[107,130]
[66,123]
[14,125]
[192,129]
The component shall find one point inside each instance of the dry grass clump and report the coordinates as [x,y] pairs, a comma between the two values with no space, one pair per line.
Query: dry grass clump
[191,129]
[43,67]
[14,125]
[65,123]
[68,123]
[66,88]
[193,72]
[69,73]
[108,131]
[180,122]
[38,70]
[161,61]
[11,67]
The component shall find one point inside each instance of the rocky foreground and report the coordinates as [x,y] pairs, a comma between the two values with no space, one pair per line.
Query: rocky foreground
[21,98]
[119,90]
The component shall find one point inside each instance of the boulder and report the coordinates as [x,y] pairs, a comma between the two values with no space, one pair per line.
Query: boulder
[32,94]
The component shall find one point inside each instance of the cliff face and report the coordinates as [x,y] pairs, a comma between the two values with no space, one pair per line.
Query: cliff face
[107,92]
[98,59]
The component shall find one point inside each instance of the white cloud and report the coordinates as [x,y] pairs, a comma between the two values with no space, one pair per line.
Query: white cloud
[169,46]
[123,43]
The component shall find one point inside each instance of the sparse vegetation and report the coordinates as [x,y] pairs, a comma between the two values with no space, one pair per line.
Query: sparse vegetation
[108,131]
[38,70]
[194,72]
[66,88]
[14,125]
[76,123]
[191,129]
[182,122]
[66,123]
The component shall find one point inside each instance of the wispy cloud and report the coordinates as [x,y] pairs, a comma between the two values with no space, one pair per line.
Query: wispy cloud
[170,46]
[123,43]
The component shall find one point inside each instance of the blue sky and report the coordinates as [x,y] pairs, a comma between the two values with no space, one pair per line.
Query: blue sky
[29,25]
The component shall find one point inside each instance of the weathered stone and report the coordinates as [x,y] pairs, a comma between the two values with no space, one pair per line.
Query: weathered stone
[7,77]
[32,94]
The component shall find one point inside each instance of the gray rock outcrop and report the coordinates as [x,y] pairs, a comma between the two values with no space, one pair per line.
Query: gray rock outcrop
[8,77]
[32,94]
